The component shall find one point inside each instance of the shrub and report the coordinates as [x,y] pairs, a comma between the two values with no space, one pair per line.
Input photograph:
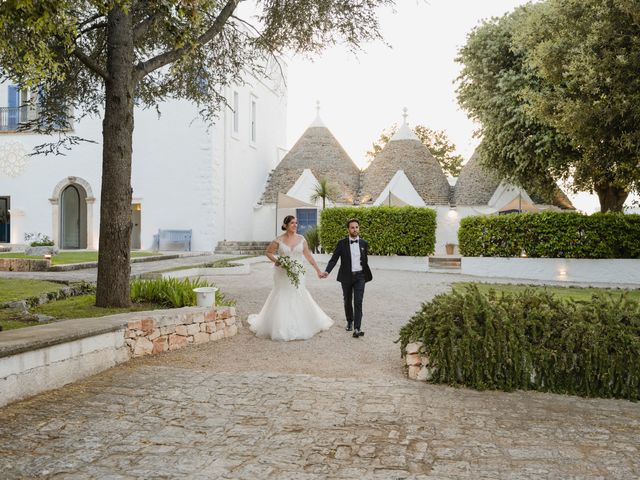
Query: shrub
[389,230]
[312,235]
[172,292]
[531,341]
[551,234]
[38,240]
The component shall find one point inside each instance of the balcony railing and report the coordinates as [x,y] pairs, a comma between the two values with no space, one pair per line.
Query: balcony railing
[12,117]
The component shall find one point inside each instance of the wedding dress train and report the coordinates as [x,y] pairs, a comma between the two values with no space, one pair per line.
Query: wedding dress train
[289,313]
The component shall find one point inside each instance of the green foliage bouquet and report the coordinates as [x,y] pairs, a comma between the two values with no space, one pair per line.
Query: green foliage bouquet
[293,268]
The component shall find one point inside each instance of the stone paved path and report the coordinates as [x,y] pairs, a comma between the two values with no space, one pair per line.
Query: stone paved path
[331,407]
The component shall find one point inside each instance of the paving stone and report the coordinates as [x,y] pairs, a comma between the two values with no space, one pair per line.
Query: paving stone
[240,409]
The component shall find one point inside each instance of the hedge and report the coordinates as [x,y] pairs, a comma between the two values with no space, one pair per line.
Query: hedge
[389,230]
[551,234]
[531,341]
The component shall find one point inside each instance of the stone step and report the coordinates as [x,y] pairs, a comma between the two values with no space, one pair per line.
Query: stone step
[241,248]
[445,263]
[240,252]
[242,244]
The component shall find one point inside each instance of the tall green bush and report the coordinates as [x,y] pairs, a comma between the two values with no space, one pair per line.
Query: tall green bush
[551,234]
[389,230]
[531,341]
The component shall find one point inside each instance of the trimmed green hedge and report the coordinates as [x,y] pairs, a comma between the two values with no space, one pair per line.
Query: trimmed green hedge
[389,230]
[531,341]
[551,234]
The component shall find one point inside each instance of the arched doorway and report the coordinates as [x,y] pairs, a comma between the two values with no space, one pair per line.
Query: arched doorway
[72,203]
[71,231]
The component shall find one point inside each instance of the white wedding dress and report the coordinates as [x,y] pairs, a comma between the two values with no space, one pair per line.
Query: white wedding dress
[289,313]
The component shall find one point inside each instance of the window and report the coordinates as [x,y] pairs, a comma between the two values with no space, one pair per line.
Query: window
[253,118]
[236,113]
[13,114]
[24,106]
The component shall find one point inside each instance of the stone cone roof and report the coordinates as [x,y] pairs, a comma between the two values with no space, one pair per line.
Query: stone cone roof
[476,184]
[421,168]
[318,150]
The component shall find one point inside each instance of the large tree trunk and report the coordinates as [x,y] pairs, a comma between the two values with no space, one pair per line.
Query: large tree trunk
[612,198]
[117,132]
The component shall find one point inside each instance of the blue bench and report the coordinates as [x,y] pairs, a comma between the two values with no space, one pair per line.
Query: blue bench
[172,240]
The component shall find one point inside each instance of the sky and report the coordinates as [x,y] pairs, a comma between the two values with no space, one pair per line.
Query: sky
[362,95]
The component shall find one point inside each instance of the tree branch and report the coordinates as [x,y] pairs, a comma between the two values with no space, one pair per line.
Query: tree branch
[143,68]
[89,20]
[141,29]
[95,26]
[90,63]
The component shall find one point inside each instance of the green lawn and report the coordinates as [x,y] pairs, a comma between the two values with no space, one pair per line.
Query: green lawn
[10,320]
[573,293]
[64,258]
[18,289]
[82,306]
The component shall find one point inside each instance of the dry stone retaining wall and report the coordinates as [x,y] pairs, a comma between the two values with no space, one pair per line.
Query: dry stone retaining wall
[163,333]
[24,265]
[417,362]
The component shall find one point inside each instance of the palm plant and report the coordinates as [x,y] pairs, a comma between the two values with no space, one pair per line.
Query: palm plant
[312,235]
[325,191]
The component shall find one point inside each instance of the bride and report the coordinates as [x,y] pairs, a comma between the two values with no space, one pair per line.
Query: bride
[290,313]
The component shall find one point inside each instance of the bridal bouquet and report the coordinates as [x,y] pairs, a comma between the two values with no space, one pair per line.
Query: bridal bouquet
[293,268]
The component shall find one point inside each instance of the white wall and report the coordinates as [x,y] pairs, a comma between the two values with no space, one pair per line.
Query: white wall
[249,163]
[30,191]
[185,174]
[264,223]
[448,222]
[617,271]
[172,173]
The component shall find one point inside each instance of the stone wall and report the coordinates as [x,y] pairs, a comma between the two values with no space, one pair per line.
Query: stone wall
[24,265]
[40,358]
[151,335]
[417,362]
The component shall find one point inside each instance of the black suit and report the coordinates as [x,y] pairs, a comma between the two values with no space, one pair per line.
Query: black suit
[352,282]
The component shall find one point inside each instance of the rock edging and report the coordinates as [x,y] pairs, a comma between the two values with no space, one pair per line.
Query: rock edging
[151,335]
[417,362]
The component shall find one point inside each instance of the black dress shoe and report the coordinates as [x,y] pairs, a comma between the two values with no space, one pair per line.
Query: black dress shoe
[349,326]
[360,333]
[356,333]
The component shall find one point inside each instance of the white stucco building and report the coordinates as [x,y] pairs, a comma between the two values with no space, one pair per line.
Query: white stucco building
[186,175]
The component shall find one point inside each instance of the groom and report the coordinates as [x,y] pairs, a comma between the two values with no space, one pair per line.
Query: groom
[353,274]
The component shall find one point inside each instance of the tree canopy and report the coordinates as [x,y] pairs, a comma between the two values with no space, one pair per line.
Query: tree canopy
[554,87]
[102,57]
[436,142]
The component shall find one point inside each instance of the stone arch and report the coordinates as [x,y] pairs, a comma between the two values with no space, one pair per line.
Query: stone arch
[87,236]
[65,182]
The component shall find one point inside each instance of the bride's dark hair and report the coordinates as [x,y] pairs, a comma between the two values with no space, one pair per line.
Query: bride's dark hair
[286,221]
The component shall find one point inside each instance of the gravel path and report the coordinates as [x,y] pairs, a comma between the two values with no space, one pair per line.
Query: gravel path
[389,301]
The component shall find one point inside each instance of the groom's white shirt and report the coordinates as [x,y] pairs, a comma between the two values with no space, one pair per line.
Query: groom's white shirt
[355,254]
